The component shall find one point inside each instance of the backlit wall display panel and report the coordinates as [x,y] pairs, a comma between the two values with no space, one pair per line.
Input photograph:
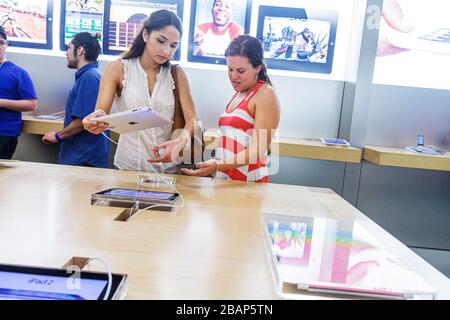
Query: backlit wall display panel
[28,23]
[81,16]
[297,38]
[318,39]
[123,21]
[414,44]
[213,25]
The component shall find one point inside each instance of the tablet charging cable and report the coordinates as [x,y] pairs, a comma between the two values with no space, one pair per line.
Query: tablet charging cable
[111,140]
[108,288]
[160,205]
[136,205]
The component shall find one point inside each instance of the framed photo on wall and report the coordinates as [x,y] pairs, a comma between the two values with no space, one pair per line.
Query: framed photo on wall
[213,25]
[123,21]
[298,39]
[80,16]
[28,23]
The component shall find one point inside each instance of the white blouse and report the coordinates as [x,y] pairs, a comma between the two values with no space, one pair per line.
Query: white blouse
[134,148]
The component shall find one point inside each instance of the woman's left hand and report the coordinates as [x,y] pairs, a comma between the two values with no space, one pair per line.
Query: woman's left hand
[204,168]
[171,149]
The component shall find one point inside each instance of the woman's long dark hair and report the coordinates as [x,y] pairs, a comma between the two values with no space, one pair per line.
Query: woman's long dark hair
[157,21]
[250,47]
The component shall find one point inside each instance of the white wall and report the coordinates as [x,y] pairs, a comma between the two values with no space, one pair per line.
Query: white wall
[398,114]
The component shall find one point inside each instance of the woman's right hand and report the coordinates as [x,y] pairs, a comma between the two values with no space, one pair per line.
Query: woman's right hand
[93,126]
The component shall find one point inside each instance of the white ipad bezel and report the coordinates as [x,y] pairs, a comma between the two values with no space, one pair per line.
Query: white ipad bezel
[134,120]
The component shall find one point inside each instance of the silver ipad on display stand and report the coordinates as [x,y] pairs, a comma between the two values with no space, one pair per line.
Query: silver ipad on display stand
[335,142]
[134,120]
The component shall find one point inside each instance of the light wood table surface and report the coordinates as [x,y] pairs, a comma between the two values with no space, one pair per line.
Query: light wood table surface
[32,125]
[400,157]
[210,249]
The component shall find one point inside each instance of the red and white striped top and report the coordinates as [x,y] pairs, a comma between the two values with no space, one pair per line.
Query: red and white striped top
[236,131]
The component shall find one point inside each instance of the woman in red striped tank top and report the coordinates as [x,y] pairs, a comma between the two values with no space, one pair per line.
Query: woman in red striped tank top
[250,119]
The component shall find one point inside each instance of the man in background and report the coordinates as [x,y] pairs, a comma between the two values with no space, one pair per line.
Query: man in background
[17,95]
[79,147]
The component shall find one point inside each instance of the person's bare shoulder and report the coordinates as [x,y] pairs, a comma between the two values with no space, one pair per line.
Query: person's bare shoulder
[267,99]
[114,70]
[115,66]
[266,92]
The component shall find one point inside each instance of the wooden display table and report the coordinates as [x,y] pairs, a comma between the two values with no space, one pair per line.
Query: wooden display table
[212,248]
[38,126]
[398,157]
[300,148]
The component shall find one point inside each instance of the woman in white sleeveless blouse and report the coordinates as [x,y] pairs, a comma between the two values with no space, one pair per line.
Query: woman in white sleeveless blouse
[142,78]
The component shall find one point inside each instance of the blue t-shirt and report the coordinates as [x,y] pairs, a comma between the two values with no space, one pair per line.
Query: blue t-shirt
[84,148]
[15,84]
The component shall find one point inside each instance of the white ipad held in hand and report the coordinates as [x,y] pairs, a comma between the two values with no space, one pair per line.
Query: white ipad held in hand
[134,120]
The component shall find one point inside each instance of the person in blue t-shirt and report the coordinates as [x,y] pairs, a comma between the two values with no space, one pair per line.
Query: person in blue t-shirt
[78,146]
[17,95]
